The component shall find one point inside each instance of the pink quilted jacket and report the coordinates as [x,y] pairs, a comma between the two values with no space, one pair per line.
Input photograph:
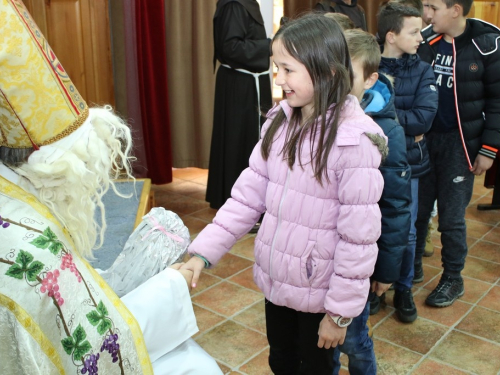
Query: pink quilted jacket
[316,248]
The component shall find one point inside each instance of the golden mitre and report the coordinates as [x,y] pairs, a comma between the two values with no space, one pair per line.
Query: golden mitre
[38,102]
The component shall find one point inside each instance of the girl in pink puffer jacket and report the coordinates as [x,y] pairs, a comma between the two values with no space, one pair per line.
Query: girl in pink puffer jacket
[315,175]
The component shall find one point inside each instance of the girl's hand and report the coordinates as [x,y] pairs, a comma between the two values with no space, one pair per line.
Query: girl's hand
[195,265]
[330,334]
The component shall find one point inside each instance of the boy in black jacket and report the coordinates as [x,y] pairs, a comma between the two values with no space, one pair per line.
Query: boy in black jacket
[376,96]
[465,135]
[416,101]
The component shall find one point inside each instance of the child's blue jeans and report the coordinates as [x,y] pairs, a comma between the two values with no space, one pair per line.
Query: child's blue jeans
[358,346]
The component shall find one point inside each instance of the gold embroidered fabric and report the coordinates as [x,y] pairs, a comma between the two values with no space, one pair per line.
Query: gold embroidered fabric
[39,104]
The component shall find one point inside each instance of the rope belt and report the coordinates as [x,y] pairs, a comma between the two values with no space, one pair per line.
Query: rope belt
[257,85]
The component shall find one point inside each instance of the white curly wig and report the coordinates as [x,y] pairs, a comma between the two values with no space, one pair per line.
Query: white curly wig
[71,175]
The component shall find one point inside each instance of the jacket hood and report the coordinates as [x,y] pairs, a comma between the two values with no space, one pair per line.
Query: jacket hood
[378,102]
[475,29]
[340,2]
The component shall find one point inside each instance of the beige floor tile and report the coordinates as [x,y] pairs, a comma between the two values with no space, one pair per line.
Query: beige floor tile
[492,299]
[447,316]
[430,367]
[486,250]
[186,205]
[258,365]
[229,265]
[207,214]
[245,279]
[493,235]
[226,298]
[482,322]
[194,225]
[245,248]
[481,270]
[487,217]
[477,229]
[205,281]
[419,336]
[232,343]
[394,360]
[253,317]
[225,370]
[468,353]
[206,319]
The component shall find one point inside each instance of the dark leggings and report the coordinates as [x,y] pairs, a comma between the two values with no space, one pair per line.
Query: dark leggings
[293,340]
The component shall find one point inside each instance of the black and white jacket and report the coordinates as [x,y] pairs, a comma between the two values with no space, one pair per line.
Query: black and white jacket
[476,76]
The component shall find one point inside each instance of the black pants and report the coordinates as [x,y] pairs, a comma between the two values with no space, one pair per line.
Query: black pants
[450,182]
[293,340]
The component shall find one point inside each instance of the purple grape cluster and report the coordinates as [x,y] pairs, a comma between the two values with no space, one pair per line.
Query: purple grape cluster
[110,344]
[90,365]
[4,224]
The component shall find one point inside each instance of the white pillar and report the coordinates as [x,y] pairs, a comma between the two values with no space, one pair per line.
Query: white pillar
[266,8]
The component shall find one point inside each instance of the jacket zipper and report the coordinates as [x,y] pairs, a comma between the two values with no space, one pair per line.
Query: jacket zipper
[456,102]
[285,189]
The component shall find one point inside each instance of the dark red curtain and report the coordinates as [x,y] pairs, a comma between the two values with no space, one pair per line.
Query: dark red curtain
[153,92]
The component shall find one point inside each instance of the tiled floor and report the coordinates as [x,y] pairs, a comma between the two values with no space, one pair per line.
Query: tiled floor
[461,339]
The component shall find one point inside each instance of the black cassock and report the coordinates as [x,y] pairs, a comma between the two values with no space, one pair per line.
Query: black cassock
[240,43]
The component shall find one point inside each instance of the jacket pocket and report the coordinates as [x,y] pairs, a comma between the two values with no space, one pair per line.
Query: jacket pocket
[310,263]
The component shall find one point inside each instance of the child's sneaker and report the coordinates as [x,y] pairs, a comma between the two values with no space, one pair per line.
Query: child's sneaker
[404,305]
[418,275]
[447,291]
[375,302]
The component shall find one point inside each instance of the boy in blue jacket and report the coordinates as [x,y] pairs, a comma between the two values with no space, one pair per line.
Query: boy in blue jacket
[416,101]
[376,96]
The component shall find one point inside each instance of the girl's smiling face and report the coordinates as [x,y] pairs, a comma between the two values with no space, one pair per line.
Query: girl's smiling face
[294,79]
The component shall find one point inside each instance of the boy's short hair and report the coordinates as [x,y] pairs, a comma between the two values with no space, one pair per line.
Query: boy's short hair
[417,4]
[466,4]
[391,18]
[344,21]
[364,48]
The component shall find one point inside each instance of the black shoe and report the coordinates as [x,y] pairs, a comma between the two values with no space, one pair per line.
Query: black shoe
[418,276]
[447,291]
[375,302]
[404,305]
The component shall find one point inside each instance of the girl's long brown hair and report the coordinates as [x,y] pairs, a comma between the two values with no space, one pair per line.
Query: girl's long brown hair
[317,42]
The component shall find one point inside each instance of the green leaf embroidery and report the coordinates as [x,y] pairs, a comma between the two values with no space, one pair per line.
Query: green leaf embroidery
[68,344]
[48,240]
[79,335]
[102,309]
[24,264]
[49,234]
[76,344]
[55,247]
[41,242]
[94,317]
[82,349]
[104,326]
[34,269]
[15,271]
[24,258]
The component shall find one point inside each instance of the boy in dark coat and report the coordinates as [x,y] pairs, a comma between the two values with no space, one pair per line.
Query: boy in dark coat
[376,96]
[416,105]
[465,135]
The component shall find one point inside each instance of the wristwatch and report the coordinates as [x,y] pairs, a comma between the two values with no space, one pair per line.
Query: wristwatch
[341,321]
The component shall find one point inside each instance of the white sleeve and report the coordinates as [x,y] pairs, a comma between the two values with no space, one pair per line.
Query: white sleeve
[162,307]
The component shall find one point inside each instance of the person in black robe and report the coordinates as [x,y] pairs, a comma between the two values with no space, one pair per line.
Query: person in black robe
[240,44]
[348,7]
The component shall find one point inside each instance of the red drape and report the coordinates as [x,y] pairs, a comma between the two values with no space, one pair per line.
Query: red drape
[153,92]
